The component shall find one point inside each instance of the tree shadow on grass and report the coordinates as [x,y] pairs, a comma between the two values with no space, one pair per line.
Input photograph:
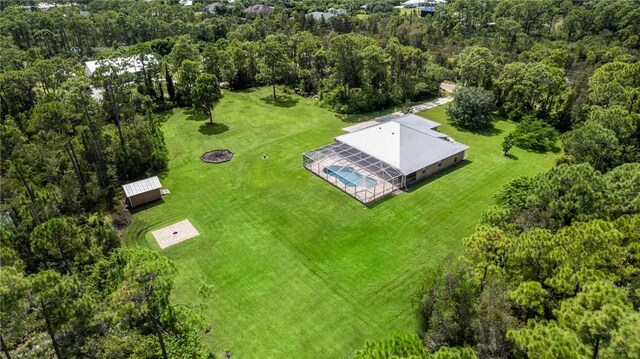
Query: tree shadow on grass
[511,156]
[164,115]
[367,116]
[281,101]
[215,129]
[489,131]
[246,90]
[446,171]
[148,205]
[193,115]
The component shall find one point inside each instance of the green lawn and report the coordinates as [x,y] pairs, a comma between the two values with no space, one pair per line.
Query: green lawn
[300,269]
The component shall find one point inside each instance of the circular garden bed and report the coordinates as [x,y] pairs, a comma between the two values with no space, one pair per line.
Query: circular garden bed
[217,156]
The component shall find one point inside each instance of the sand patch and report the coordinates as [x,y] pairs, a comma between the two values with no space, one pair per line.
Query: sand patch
[174,233]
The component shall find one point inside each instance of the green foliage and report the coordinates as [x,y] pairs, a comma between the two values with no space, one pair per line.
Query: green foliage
[529,89]
[187,75]
[493,319]
[274,62]
[551,238]
[615,84]
[507,144]
[607,139]
[397,346]
[535,134]
[52,298]
[471,108]
[206,93]
[546,340]
[595,313]
[58,243]
[476,67]
[448,306]
[530,296]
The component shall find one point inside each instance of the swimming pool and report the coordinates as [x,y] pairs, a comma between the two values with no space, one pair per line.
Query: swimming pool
[349,176]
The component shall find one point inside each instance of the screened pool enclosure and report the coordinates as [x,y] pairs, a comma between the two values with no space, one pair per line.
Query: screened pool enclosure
[360,175]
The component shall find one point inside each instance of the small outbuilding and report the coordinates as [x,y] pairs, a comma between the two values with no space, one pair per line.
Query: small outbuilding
[143,191]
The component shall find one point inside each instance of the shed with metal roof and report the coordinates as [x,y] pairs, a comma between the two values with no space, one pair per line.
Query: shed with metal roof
[143,191]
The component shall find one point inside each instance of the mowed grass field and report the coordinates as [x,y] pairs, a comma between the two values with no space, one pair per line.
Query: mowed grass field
[299,268]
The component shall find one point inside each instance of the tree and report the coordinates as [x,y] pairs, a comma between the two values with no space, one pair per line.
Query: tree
[546,340]
[187,75]
[594,144]
[183,50]
[595,313]
[492,321]
[448,306]
[275,58]
[52,297]
[14,314]
[507,144]
[615,84]
[397,346]
[140,298]
[533,134]
[532,89]
[58,242]
[471,108]
[476,67]
[218,62]
[206,93]
[114,84]
[57,122]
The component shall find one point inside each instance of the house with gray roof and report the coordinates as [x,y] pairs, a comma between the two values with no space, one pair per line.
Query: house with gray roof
[319,15]
[383,158]
[258,9]
[131,64]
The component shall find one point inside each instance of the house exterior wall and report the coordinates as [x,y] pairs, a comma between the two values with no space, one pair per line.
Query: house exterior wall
[445,163]
[145,197]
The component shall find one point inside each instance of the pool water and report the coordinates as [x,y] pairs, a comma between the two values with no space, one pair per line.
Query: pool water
[349,176]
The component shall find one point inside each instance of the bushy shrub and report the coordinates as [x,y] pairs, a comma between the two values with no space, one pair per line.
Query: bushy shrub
[471,108]
[534,134]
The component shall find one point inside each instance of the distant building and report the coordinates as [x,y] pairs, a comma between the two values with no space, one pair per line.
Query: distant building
[259,9]
[186,2]
[337,11]
[213,8]
[422,3]
[84,13]
[131,64]
[43,6]
[427,10]
[318,15]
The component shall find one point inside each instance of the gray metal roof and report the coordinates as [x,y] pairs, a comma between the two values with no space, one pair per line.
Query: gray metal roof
[416,122]
[131,64]
[317,15]
[142,186]
[408,146]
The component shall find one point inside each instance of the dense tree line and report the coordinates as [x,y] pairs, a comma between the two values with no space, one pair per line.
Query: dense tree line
[556,259]
[534,56]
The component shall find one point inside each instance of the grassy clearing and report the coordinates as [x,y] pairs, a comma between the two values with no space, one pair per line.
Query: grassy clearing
[300,269]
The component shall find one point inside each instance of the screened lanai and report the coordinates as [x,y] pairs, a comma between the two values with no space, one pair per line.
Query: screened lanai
[362,176]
